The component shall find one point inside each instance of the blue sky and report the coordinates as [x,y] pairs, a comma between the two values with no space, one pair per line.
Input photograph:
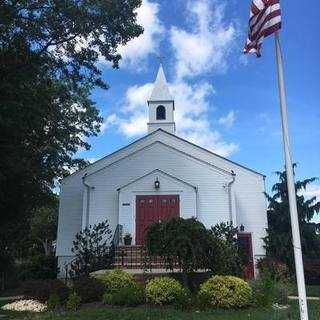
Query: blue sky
[225,101]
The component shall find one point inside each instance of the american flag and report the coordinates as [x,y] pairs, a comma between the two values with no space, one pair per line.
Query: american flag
[265,19]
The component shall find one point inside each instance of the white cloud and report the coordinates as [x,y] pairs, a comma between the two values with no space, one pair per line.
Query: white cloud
[228,120]
[203,49]
[137,49]
[206,47]
[191,118]
[312,190]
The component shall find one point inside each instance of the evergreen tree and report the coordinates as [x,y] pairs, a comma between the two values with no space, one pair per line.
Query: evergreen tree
[278,242]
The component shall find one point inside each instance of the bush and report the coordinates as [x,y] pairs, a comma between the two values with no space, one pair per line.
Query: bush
[53,302]
[121,288]
[89,289]
[225,292]
[92,250]
[272,267]
[312,272]
[282,290]
[40,267]
[74,302]
[165,291]
[42,289]
[267,291]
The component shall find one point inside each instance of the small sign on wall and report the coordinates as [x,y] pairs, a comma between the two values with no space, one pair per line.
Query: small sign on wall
[126,204]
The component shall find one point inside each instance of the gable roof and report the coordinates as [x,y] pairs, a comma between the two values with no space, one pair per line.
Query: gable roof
[136,142]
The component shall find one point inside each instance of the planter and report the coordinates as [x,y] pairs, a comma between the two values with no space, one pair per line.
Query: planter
[127,239]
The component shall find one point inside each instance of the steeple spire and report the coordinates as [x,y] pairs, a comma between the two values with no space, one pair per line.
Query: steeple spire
[160,90]
[161,105]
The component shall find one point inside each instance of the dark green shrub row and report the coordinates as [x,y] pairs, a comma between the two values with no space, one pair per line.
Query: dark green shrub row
[42,289]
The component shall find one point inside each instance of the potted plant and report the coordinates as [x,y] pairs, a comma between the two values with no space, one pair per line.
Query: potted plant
[127,239]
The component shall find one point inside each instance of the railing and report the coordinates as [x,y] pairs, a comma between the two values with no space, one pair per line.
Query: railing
[136,257]
[117,236]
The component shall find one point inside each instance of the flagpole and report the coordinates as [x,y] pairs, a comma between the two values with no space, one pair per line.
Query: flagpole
[291,186]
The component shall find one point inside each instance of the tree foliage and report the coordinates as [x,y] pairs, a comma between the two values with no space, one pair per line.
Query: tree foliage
[48,65]
[92,250]
[186,244]
[279,237]
[231,258]
[44,224]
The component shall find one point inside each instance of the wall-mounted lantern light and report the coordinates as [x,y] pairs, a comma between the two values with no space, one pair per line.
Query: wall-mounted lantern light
[157,183]
[241,227]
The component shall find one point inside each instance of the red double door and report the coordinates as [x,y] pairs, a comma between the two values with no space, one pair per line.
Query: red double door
[152,208]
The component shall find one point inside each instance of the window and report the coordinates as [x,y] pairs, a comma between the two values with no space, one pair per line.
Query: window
[161,113]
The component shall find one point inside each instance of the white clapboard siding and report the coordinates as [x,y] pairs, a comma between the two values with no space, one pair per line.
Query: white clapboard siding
[200,168]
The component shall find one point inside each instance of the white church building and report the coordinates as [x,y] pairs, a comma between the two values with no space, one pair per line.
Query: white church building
[160,176]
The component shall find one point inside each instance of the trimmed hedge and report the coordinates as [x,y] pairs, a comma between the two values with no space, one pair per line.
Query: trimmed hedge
[225,292]
[165,291]
[121,288]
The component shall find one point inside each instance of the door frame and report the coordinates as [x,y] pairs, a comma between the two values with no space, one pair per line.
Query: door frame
[150,193]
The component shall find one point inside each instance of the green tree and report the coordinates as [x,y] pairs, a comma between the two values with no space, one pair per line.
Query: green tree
[186,244]
[278,241]
[92,250]
[231,258]
[48,66]
[44,223]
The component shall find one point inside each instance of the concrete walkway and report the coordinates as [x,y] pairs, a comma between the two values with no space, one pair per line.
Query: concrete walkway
[308,298]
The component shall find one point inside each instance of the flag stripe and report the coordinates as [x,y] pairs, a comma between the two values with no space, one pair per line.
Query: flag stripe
[265,19]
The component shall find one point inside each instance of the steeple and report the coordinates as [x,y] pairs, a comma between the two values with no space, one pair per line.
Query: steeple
[160,90]
[161,105]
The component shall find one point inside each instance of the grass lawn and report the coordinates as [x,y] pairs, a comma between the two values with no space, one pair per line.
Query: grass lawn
[148,313]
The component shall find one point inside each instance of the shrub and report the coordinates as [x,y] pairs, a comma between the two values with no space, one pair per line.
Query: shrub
[132,295]
[165,291]
[121,288]
[89,289]
[186,244]
[282,290]
[267,291]
[42,289]
[53,302]
[263,290]
[92,250]
[74,302]
[312,272]
[272,267]
[40,267]
[225,292]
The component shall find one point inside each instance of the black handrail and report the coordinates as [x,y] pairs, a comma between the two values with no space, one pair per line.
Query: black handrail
[117,236]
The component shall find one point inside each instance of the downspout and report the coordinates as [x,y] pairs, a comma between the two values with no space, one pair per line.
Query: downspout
[231,200]
[197,202]
[88,187]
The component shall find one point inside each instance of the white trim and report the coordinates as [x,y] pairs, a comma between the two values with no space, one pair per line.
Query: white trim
[118,154]
[153,171]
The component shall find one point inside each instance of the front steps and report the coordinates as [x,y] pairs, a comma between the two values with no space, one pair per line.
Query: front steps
[135,257]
